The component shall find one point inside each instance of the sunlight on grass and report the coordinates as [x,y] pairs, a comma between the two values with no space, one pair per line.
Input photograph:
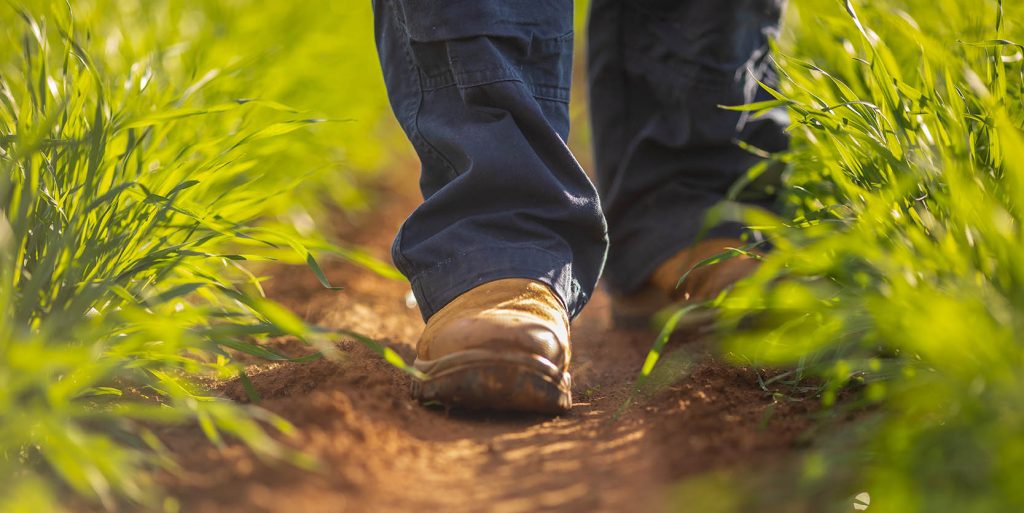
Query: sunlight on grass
[150,153]
[902,264]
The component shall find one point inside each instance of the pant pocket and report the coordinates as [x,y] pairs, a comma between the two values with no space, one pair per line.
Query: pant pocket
[544,65]
[698,43]
[445,20]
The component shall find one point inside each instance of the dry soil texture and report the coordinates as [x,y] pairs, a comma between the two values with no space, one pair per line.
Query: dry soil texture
[382,452]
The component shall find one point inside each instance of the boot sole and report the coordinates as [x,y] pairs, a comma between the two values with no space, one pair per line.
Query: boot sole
[488,380]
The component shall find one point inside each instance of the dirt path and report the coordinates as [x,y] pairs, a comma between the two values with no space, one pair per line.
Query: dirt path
[382,452]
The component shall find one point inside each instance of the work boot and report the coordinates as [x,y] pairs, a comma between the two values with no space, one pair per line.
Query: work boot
[635,310]
[501,346]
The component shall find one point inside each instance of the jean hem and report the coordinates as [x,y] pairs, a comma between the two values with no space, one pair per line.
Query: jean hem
[437,286]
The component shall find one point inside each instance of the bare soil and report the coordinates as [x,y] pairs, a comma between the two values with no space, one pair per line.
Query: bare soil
[382,452]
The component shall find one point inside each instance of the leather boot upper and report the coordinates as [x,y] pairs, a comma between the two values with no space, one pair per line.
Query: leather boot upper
[518,315]
[701,283]
[706,282]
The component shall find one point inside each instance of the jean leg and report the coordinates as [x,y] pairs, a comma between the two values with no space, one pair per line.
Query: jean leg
[481,88]
[665,151]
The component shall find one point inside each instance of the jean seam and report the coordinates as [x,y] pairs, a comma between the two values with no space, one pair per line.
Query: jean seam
[396,248]
[539,91]
[573,285]
[414,70]
[462,254]
[413,114]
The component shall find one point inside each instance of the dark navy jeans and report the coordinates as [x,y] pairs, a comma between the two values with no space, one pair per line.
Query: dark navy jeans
[481,88]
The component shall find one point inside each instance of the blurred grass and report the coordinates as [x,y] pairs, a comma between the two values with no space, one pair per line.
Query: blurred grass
[899,265]
[317,57]
[151,152]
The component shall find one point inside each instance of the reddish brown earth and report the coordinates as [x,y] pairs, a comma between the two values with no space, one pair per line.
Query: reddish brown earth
[380,451]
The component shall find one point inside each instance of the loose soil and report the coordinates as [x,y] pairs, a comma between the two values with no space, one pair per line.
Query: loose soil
[380,451]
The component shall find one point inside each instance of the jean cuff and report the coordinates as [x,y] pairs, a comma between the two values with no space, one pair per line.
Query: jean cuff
[439,285]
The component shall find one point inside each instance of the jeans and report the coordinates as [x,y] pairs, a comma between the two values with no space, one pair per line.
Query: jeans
[481,89]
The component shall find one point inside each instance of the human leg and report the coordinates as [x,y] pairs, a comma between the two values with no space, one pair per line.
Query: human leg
[510,240]
[665,151]
[481,89]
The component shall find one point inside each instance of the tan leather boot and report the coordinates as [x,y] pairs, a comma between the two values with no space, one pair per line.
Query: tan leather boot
[635,310]
[501,346]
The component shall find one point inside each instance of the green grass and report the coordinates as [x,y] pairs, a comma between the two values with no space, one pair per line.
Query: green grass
[150,153]
[898,274]
[153,152]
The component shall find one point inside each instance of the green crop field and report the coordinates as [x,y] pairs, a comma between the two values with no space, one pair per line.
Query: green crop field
[897,273]
[155,155]
[149,152]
